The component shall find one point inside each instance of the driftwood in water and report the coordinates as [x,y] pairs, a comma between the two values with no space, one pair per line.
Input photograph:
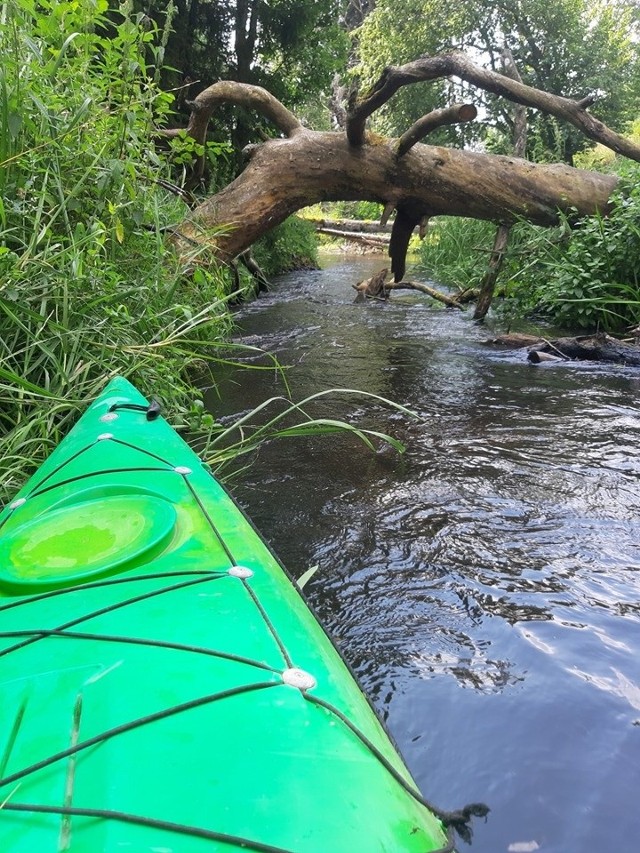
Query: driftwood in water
[516,340]
[599,347]
[536,357]
[377,241]
[377,287]
[449,301]
[372,288]
[359,226]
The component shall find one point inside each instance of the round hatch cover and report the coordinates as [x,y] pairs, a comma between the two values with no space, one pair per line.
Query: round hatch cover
[78,541]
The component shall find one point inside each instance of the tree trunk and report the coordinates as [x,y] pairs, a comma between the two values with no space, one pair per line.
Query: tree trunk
[488,283]
[284,175]
[501,240]
[359,226]
[416,180]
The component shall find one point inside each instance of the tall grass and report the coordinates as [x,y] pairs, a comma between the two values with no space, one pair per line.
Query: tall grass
[454,250]
[88,287]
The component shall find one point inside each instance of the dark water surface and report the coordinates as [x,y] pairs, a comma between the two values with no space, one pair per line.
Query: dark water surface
[485,586]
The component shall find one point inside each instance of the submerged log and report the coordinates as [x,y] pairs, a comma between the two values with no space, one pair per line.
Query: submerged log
[537,357]
[516,340]
[598,347]
[449,301]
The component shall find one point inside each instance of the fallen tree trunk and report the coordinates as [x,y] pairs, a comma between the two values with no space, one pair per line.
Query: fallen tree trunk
[359,226]
[600,347]
[285,175]
[380,242]
[417,180]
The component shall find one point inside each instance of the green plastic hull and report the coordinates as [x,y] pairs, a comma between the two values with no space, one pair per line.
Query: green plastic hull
[163,685]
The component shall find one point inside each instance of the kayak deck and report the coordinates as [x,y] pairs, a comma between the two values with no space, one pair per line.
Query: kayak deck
[163,685]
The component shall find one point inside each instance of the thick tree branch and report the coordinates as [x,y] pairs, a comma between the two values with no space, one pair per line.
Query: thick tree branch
[449,301]
[407,217]
[243,95]
[431,121]
[458,65]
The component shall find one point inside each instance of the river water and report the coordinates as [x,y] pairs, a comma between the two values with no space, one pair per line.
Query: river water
[485,586]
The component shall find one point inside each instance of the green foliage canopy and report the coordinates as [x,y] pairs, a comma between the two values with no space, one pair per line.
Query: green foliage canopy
[569,47]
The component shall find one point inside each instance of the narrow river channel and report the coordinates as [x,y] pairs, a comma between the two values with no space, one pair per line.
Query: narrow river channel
[485,586]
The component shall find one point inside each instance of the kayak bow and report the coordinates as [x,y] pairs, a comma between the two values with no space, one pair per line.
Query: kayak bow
[164,687]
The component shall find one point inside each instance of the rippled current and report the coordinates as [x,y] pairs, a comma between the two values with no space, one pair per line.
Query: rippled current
[486,585]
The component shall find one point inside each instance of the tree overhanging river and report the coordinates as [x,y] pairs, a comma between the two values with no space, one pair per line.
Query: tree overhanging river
[486,586]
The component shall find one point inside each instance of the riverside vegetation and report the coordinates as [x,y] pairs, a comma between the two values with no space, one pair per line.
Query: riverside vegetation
[88,285]
[88,288]
[581,276]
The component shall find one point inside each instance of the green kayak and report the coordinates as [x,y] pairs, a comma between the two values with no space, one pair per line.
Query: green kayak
[163,685]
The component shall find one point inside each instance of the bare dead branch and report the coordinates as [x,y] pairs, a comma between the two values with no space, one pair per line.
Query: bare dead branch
[458,65]
[431,121]
[407,217]
[378,242]
[389,207]
[449,301]
[359,226]
[243,95]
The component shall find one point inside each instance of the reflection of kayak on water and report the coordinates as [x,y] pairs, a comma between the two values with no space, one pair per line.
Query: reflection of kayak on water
[164,686]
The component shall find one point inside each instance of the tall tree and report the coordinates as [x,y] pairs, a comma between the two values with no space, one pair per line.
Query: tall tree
[291,47]
[568,47]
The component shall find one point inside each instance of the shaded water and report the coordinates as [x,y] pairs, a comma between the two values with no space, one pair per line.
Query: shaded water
[485,586]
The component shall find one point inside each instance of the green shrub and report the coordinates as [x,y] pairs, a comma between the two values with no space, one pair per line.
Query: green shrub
[88,288]
[290,246]
[586,276]
[583,275]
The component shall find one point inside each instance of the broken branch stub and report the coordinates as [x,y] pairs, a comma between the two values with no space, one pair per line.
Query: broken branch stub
[455,114]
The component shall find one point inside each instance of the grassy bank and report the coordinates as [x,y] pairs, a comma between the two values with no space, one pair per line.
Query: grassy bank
[88,286]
